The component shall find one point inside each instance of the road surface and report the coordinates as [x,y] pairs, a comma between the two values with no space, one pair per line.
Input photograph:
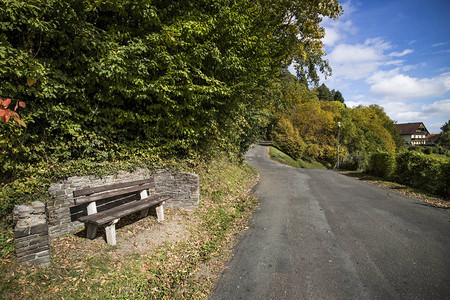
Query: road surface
[318,234]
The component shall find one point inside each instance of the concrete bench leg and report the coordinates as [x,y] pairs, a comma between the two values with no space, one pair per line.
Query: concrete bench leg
[160,212]
[111,232]
[91,231]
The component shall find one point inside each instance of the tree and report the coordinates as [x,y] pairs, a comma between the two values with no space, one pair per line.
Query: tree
[338,97]
[444,138]
[324,93]
[445,127]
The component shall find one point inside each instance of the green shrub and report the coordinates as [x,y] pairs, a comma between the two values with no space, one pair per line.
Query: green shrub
[381,164]
[443,181]
[404,166]
[423,172]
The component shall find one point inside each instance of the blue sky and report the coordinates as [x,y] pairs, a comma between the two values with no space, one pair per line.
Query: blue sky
[393,53]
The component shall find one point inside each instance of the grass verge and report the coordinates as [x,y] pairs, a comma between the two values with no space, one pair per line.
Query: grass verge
[276,155]
[187,268]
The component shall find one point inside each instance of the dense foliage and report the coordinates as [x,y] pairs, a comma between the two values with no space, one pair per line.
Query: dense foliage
[108,77]
[113,84]
[308,128]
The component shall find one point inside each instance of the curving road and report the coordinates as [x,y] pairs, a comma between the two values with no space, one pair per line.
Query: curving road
[318,234]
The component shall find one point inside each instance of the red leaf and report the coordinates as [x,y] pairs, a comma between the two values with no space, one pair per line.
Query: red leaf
[2,112]
[21,104]
[6,102]
[6,117]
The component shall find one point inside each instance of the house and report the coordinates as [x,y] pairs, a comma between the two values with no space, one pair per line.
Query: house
[432,138]
[413,133]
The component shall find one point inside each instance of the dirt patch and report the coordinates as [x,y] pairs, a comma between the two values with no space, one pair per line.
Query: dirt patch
[146,235]
[134,235]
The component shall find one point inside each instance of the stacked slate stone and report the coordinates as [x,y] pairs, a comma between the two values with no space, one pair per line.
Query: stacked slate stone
[31,234]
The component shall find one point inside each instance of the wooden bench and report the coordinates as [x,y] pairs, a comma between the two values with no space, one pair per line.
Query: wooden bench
[117,201]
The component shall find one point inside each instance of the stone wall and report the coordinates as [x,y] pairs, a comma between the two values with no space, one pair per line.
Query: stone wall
[38,223]
[184,188]
[31,234]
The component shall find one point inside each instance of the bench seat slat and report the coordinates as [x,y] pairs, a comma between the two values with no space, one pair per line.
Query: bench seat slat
[123,210]
[104,188]
[120,192]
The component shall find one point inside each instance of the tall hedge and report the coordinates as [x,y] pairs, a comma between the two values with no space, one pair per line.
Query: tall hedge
[424,172]
[103,79]
[382,164]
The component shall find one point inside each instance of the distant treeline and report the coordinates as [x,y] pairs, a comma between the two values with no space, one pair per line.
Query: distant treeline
[306,127]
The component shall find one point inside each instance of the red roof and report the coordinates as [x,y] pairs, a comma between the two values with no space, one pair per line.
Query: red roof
[410,128]
[432,137]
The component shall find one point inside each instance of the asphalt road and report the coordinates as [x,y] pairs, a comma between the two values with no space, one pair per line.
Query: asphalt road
[318,234]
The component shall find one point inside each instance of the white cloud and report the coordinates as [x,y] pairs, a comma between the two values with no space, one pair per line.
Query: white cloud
[439,109]
[403,53]
[397,62]
[331,36]
[345,53]
[355,72]
[348,8]
[359,61]
[439,44]
[353,104]
[409,116]
[401,111]
[392,84]
[336,30]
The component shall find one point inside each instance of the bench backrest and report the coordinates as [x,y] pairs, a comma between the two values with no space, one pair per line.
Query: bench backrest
[111,191]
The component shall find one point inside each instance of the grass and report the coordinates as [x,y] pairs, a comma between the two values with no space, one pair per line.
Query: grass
[187,268]
[276,155]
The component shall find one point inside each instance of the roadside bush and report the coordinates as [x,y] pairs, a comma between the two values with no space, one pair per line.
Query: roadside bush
[423,172]
[405,164]
[444,181]
[381,164]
